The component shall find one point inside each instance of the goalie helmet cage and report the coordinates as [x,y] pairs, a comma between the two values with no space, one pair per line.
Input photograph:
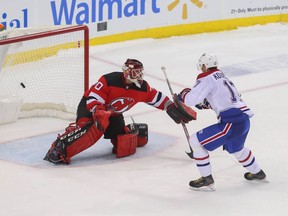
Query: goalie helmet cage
[47,68]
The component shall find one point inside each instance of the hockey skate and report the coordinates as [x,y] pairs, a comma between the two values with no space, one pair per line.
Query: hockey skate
[56,153]
[260,176]
[203,184]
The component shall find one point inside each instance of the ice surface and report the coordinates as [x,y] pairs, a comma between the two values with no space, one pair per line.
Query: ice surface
[155,180]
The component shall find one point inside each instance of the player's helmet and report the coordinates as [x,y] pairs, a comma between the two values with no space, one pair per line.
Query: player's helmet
[209,60]
[133,71]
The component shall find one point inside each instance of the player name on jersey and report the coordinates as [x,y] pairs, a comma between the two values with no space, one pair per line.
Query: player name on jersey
[218,75]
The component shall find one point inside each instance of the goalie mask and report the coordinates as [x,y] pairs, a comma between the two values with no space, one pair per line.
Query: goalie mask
[209,60]
[133,71]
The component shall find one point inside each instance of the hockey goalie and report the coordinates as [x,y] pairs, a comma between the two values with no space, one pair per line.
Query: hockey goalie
[100,112]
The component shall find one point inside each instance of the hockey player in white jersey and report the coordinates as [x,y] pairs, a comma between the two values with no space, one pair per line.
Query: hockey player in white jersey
[213,90]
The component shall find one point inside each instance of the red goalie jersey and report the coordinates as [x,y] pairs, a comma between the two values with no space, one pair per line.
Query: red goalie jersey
[112,91]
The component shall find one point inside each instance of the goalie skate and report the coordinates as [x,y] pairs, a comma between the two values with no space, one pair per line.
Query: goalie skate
[56,153]
[203,184]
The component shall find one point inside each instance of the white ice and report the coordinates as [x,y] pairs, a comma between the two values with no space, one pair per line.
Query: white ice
[155,180]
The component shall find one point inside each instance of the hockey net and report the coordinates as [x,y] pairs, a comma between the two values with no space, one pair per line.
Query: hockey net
[47,68]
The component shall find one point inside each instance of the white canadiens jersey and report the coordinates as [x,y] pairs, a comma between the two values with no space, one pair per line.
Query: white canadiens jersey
[218,90]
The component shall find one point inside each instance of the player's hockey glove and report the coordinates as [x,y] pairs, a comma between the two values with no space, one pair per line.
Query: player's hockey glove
[183,94]
[203,105]
[101,117]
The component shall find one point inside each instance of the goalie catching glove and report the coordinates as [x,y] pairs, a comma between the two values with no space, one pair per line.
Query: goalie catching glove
[179,112]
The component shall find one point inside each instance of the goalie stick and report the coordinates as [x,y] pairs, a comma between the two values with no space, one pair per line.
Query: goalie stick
[190,154]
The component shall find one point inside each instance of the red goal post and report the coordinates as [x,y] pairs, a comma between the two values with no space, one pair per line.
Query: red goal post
[47,69]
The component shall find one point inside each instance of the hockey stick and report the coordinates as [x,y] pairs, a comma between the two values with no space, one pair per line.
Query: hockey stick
[190,154]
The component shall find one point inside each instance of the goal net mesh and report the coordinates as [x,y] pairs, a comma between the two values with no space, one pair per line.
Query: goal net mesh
[47,68]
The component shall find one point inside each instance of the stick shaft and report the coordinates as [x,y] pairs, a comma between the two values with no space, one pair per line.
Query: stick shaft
[183,125]
[166,77]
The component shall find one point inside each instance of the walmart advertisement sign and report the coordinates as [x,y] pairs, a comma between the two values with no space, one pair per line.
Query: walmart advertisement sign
[108,17]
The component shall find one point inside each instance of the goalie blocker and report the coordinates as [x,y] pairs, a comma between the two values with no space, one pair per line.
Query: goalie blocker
[180,112]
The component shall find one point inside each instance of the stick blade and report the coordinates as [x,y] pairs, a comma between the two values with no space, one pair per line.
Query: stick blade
[190,154]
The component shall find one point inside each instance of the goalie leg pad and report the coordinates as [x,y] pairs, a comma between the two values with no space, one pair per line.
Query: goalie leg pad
[141,130]
[136,136]
[81,139]
[126,145]
[57,152]
[72,142]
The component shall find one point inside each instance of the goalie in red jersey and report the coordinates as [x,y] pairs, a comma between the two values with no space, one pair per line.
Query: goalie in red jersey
[101,109]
